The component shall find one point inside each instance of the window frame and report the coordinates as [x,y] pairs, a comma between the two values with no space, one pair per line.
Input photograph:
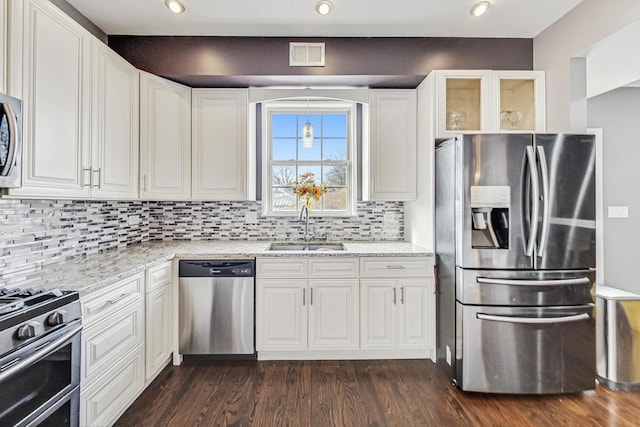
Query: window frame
[312,106]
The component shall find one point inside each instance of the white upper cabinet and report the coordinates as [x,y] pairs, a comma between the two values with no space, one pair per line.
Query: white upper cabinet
[80,115]
[391,167]
[489,101]
[165,139]
[220,144]
[4,48]
[56,97]
[115,113]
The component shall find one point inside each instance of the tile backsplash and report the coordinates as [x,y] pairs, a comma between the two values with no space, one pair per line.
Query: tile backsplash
[34,233]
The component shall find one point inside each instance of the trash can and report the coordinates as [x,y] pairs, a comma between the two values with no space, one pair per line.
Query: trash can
[618,338]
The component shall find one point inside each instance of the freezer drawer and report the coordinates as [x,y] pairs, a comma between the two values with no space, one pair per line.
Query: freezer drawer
[525,288]
[529,350]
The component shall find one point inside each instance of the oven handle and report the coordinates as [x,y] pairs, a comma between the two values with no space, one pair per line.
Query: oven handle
[536,320]
[39,354]
[524,282]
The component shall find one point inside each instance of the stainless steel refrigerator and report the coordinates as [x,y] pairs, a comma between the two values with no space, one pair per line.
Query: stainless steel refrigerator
[515,260]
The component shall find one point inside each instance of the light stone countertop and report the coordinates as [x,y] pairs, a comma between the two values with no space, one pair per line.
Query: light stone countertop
[97,271]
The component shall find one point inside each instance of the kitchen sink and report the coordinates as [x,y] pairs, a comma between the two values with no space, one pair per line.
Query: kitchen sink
[314,247]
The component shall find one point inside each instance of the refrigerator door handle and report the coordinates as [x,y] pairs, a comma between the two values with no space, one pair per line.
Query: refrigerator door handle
[533,320]
[535,199]
[544,235]
[524,282]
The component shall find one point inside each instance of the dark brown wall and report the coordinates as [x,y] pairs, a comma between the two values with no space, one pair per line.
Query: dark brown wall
[264,61]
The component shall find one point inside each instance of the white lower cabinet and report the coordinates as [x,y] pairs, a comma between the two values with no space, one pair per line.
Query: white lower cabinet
[339,307]
[112,362]
[394,314]
[159,319]
[306,311]
[126,342]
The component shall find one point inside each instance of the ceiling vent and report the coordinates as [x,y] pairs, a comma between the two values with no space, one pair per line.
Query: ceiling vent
[306,54]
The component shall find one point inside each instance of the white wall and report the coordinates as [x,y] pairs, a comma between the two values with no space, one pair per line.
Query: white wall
[618,114]
[573,35]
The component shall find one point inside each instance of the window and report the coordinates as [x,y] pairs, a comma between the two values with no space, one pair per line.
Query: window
[330,160]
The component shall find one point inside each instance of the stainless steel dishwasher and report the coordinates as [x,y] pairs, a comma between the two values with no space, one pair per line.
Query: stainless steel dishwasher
[216,310]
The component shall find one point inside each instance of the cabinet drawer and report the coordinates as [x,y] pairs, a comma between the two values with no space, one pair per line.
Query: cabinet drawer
[279,268]
[105,341]
[111,299]
[158,276]
[333,267]
[396,267]
[108,398]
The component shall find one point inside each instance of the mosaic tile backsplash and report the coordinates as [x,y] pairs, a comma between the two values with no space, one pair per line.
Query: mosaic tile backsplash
[39,232]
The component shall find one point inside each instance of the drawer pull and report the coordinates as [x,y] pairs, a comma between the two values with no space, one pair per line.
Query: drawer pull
[114,301]
[396,267]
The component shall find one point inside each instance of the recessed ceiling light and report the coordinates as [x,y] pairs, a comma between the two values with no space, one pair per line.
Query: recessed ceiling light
[323,7]
[174,6]
[479,8]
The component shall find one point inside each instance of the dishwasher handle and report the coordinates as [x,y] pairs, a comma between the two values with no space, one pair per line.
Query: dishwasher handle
[217,268]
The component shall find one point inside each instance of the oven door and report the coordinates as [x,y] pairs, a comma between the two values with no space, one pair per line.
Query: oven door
[536,350]
[10,141]
[43,379]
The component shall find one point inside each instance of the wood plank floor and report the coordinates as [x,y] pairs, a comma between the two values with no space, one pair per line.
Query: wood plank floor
[356,393]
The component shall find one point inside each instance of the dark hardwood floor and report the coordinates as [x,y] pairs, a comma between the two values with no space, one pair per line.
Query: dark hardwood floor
[356,393]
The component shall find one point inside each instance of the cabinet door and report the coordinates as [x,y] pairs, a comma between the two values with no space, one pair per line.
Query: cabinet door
[115,112]
[333,314]
[165,139]
[392,145]
[379,306]
[413,313]
[281,314]
[462,102]
[158,329]
[219,165]
[56,85]
[518,101]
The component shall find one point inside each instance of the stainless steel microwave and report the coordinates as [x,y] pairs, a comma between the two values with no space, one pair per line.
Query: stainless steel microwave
[10,142]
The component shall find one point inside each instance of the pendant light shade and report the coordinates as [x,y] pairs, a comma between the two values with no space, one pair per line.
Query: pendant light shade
[307,135]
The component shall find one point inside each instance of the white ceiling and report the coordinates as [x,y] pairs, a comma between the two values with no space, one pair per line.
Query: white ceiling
[349,18]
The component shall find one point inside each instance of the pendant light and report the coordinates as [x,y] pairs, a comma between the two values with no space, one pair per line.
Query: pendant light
[307,132]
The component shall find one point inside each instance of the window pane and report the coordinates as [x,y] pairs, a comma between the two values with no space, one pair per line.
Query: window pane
[284,149]
[283,125]
[334,125]
[315,170]
[283,176]
[334,149]
[335,176]
[284,199]
[313,153]
[335,199]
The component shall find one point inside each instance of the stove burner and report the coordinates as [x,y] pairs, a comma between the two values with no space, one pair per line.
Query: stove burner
[7,305]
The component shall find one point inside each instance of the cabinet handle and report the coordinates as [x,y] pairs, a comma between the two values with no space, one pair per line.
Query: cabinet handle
[144,183]
[97,180]
[304,296]
[113,301]
[394,296]
[402,295]
[86,182]
[395,267]
[311,296]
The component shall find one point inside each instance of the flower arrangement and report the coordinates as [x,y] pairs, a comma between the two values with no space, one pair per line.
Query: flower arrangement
[305,186]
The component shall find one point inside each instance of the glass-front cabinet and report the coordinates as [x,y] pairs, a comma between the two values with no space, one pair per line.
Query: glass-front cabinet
[519,101]
[489,101]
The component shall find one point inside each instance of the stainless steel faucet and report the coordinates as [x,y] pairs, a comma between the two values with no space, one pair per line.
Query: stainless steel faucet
[305,211]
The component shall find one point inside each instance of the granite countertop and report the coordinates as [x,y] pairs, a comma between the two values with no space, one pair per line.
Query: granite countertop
[96,271]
